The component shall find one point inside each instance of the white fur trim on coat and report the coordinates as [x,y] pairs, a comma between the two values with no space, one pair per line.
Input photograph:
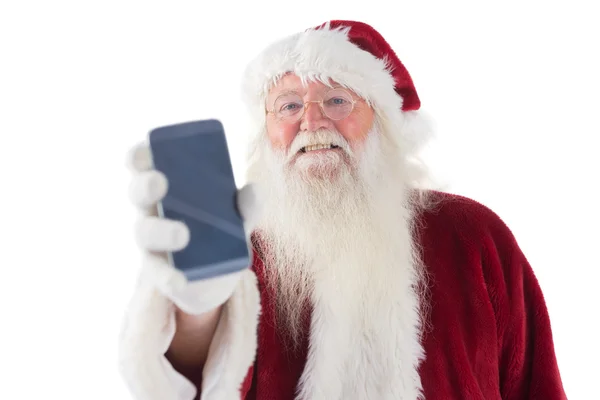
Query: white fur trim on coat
[149,329]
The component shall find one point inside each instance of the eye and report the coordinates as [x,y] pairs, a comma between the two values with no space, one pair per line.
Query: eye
[289,107]
[288,104]
[337,101]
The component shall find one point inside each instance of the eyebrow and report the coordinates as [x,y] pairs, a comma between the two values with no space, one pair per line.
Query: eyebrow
[303,92]
[289,91]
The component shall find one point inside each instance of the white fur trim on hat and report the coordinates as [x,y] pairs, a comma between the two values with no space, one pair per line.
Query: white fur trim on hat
[327,53]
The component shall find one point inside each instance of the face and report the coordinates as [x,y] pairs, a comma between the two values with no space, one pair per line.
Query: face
[332,218]
[291,138]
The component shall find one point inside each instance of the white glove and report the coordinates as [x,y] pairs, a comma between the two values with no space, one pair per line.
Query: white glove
[150,319]
[157,235]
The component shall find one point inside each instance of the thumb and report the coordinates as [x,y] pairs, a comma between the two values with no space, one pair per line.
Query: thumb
[248,204]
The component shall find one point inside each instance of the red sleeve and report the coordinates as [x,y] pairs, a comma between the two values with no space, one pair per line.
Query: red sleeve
[247,384]
[527,361]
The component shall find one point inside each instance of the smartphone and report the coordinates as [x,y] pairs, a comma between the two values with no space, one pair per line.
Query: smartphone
[194,157]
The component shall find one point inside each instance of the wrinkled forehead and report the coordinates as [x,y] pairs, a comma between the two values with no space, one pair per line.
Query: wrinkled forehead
[291,82]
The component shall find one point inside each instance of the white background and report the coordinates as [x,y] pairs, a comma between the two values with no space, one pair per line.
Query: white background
[513,87]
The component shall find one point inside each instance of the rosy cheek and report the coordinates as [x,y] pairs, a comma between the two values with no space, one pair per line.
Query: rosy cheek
[352,132]
[281,136]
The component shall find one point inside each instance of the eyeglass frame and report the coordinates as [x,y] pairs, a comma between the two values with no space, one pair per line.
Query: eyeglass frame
[320,103]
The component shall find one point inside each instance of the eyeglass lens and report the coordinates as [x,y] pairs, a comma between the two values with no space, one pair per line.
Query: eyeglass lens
[337,104]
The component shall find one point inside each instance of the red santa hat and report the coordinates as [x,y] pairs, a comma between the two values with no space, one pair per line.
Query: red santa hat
[354,55]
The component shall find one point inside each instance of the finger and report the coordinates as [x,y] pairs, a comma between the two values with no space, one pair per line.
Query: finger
[203,295]
[248,203]
[167,279]
[159,234]
[192,297]
[147,188]
[139,158]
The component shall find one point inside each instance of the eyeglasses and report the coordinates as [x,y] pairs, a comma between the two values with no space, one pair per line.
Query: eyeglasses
[336,105]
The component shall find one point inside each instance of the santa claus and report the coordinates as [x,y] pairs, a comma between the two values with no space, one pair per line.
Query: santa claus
[364,285]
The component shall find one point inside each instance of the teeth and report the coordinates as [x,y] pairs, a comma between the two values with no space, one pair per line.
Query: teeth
[317,147]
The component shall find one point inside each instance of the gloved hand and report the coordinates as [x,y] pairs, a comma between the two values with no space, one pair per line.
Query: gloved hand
[156,236]
[149,323]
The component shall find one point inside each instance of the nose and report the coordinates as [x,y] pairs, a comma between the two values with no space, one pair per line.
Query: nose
[313,118]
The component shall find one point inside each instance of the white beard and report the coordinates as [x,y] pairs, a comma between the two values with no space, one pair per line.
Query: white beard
[343,244]
[334,234]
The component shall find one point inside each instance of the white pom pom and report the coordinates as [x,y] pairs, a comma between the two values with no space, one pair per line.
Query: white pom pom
[417,130]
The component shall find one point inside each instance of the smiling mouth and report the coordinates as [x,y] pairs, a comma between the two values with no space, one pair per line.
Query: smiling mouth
[314,147]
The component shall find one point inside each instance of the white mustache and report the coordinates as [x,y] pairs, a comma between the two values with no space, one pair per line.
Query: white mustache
[322,136]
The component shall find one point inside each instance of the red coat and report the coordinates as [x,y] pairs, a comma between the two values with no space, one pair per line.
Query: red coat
[489,336]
